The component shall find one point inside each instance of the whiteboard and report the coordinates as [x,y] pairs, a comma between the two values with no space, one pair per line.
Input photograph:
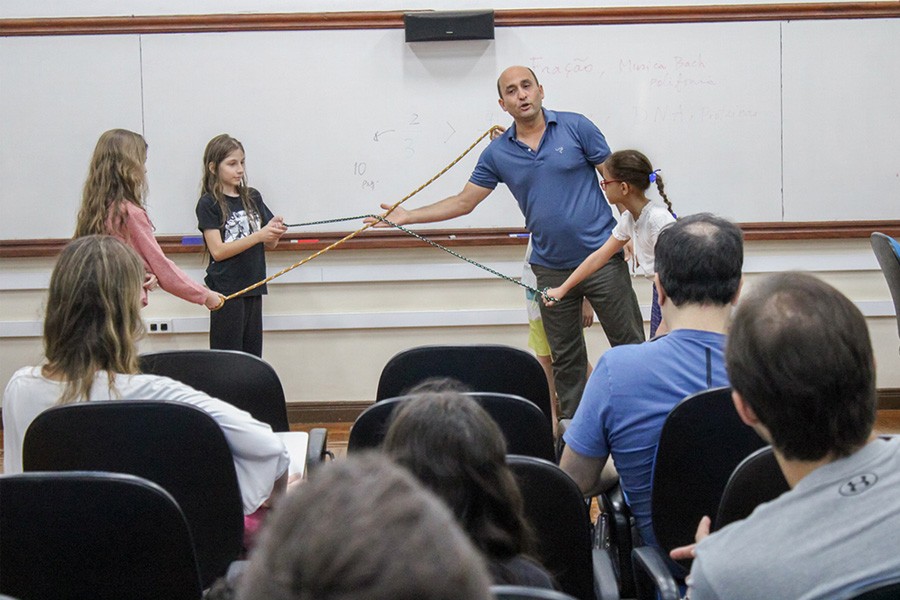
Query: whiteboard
[336,122]
[57,95]
[842,137]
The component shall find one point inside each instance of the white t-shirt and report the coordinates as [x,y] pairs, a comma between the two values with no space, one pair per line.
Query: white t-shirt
[259,455]
[644,233]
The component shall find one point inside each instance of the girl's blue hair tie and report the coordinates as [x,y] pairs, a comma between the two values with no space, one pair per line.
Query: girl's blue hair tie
[653,175]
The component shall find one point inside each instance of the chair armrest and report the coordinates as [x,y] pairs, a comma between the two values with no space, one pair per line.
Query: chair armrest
[618,537]
[316,449]
[606,587]
[652,577]
[600,534]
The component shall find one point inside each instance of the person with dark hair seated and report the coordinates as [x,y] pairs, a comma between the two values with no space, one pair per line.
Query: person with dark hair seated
[803,376]
[455,448]
[363,529]
[698,261]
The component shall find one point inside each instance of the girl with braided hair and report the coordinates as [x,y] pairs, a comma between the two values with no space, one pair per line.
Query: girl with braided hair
[627,174]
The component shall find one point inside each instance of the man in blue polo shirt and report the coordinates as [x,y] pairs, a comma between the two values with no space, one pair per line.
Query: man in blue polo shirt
[548,159]
[633,388]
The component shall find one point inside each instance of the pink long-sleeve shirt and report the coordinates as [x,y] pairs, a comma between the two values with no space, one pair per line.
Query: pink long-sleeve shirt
[138,233]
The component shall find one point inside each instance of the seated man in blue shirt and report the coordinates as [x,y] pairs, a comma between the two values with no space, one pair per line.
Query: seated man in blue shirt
[549,162]
[633,388]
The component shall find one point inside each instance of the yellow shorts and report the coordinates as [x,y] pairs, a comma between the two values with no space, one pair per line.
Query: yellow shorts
[537,338]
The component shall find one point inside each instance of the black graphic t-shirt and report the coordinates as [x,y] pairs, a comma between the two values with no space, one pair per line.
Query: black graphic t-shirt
[234,274]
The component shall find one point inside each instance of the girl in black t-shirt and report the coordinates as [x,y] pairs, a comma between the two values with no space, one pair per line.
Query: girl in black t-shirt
[231,216]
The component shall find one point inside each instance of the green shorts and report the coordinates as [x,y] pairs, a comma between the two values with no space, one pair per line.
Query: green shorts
[537,338]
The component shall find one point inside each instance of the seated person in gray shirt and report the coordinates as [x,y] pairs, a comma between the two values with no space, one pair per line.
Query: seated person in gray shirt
[801,366]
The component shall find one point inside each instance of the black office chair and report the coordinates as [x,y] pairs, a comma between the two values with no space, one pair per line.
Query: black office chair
[240,379]
[104,536]
[757,480]
[652,564]
[702,441]
[517,592]
[887,251]
[370,427]
[524,426]
[177,446]
[888,589]
[481,367]
[556,510]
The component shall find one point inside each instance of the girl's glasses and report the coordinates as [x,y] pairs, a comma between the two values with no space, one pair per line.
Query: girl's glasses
[604,182]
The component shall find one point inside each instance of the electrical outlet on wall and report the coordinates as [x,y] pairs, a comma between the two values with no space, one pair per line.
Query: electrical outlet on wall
[159,326]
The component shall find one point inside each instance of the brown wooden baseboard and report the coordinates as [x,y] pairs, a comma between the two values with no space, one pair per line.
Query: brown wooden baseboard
[889,399]
[325,412]
[346,412]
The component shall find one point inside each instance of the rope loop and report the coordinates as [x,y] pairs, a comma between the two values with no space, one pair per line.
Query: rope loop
[378,219]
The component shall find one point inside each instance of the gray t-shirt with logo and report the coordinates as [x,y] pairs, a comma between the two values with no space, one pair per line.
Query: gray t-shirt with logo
[839,528]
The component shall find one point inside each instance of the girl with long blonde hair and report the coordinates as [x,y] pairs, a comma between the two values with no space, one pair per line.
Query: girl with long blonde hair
[113,203]
[627,175]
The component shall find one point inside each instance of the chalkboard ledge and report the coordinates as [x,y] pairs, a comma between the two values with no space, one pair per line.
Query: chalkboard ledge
[391,239]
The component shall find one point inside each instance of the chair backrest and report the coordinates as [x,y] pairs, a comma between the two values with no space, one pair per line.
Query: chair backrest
[370,427]
[177,446]
[758,479]
[524,426]
[702,441]
[559,516]
[94,535]
[518,592]
[240,379]
[481,367]
[887,251]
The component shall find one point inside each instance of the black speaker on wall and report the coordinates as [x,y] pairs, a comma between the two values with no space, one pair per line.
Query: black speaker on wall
[433,26]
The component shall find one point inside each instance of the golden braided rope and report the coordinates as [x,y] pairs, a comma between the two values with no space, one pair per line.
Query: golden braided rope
[364,227]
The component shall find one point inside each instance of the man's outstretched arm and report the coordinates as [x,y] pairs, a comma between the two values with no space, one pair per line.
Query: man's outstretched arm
[451,207]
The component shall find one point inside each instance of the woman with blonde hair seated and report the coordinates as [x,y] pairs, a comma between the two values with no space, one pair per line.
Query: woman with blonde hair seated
[91,330]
